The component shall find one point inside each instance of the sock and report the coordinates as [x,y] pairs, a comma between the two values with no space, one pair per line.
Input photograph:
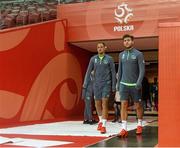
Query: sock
[139,122]
[124,124]
[104,122]
[100,118]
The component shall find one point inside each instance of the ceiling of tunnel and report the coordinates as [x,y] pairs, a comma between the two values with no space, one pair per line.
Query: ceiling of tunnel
[117,45]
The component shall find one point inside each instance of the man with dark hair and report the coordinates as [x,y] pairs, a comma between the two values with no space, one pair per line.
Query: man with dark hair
[130,75]
[104,83]
[128,36]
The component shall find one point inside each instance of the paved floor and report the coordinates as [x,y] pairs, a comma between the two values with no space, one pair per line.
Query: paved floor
[149,138]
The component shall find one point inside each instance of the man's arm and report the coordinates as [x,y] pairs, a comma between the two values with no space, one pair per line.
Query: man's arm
[119,74]
[141,64]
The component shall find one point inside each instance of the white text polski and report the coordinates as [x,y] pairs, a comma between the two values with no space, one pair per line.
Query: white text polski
[124,28]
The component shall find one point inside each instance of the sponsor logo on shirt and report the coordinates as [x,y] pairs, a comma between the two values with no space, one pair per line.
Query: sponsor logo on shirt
[133,57]
[123,56]
[105,62]
[95,60]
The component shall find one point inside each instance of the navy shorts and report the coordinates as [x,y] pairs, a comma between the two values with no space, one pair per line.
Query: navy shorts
[126,91]
[102,90]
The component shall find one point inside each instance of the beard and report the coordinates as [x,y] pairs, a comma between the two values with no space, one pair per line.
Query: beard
[128,47]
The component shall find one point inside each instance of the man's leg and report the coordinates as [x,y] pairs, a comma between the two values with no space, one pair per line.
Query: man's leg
[137,98]
[104,114]
[139,111]
[98,105]
[124,93]
[124,114]
[104,108]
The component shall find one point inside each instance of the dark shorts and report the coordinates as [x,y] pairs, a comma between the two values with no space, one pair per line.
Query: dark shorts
[102,90]
[126,91]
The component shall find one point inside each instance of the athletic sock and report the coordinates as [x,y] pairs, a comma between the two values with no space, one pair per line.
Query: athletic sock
[100,119]
[124,124]
[104,122]
[139,122]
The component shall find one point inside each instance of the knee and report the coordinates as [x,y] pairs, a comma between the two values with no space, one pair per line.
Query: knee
[104,105]
[138,106]
[124,105]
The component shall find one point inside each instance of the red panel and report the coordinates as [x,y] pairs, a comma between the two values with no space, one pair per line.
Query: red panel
[169,84]
[96,20]
[41,77]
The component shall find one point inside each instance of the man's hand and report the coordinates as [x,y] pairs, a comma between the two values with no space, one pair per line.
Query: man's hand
[83,87]
[138,86]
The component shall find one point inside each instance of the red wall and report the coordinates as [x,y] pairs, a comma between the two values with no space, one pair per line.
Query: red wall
[41,76]
[95,20]
[169,85]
